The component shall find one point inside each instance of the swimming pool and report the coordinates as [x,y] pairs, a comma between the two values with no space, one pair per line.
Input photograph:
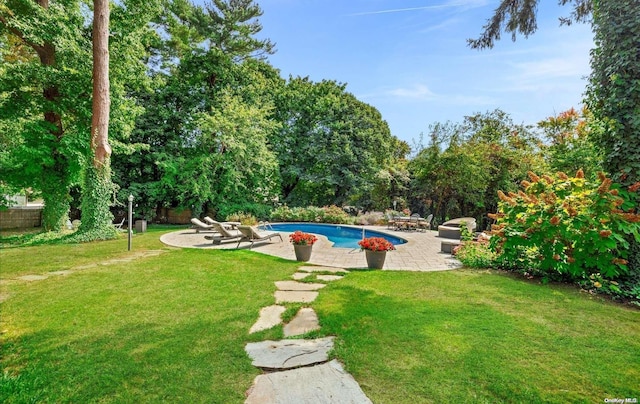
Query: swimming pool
[341,236]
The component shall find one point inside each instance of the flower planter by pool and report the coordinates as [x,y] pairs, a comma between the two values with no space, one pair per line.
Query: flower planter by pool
[375,259]
[303,252]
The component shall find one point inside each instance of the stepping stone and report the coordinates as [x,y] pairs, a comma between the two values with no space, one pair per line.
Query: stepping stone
[300,275]
[327,383]
[321,269]
[293,285]
[328,278]
[31,278]
[289,296]
[305,320]
[289,353]
[269,318]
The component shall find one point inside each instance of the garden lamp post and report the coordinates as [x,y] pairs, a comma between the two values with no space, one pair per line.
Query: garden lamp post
[130,219]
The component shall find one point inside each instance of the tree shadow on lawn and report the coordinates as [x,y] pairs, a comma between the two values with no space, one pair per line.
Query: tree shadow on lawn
[190,360]
[432,347]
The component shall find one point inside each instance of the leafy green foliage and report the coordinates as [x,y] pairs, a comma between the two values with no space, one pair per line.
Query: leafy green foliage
[45,82]
[464,165]
[327,214]
[571,148]
[613,94]
[475,254]
[519,17]
[331,146]
[96,216]
[243,217]
[567,227]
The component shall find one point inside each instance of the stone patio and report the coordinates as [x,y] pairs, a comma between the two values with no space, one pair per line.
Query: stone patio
[420,253]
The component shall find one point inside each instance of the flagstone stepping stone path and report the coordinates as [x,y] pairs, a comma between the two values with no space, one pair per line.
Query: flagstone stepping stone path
[298,371]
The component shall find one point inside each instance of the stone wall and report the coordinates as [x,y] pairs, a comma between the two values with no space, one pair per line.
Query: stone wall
[21,217]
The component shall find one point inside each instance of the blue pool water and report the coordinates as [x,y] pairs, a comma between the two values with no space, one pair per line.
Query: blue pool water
[341,236]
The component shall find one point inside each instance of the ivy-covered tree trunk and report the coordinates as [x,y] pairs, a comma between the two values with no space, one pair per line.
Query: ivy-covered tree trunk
[98,187]
[614,92]
[55,193]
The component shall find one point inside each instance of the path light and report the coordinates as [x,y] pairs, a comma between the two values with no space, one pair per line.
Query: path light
[130,219]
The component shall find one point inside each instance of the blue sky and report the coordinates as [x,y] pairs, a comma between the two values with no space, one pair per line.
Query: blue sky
[410,60]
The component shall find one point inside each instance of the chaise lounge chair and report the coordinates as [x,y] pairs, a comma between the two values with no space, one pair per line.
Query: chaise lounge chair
[226,225]
[252,235]
[224,234]
[200,226]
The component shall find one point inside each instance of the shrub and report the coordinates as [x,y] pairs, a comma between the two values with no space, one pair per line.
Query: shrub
[256,209]
[567,228]
[335,214]
[242,217]
[370,218]
[475,254]
[327,214]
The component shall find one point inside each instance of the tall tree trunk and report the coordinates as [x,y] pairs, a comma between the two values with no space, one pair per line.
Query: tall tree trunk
[96,217]
[101,100]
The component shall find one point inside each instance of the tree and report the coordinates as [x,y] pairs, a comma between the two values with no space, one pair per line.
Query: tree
[36,81]
[208,95]
[570,148]
[614,91]
[614,87]
[98,188]
[461,170]
[519,16]
[331,146]
[613,94]
[45,92]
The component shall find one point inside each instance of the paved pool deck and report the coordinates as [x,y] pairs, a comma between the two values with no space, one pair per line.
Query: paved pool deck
[420,253]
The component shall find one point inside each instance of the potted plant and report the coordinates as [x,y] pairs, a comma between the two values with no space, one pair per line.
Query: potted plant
[375,249]
[302,244]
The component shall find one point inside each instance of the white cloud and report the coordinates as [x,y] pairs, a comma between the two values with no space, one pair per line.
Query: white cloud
[418,91]
[549,69]
[464,4]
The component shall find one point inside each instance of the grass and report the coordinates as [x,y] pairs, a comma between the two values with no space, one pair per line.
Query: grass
[173,327]
[462,336]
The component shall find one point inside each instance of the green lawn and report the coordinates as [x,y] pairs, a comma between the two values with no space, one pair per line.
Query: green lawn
[173,328]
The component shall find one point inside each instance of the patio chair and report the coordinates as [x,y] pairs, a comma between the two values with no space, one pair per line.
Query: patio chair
[390,221]
[118,226]
[426,223]
[224,234]
[252,235]
[200,226]
[412,223]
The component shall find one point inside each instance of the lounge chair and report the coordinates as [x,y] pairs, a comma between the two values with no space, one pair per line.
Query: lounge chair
[224,234]
[252,235]
[226,225]
[200,226]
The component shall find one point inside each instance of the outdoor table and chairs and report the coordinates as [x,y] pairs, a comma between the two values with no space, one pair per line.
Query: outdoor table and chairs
[413,222]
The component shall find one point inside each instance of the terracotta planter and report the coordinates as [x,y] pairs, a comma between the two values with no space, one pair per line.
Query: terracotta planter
[375,259]
[303,252]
